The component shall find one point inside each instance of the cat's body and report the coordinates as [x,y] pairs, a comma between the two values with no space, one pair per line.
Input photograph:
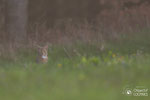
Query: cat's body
[42,56]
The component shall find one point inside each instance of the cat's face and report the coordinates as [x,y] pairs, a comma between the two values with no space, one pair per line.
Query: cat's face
[43,54]
[43,51]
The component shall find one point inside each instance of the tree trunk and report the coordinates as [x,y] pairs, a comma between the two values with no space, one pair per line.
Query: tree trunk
[16,20]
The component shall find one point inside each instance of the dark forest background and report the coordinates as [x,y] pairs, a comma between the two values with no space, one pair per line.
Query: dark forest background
[67,20]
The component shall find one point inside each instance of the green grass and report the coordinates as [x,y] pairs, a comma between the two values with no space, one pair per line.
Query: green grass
[94,75]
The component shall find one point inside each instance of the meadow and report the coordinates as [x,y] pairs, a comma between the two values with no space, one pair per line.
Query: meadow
[81,71]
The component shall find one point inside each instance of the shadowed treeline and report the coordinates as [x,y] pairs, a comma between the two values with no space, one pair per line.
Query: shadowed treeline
[51,10]
[84,19]
[51,20]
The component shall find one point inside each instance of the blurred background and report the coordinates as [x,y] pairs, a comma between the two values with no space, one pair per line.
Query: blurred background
[68,20]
